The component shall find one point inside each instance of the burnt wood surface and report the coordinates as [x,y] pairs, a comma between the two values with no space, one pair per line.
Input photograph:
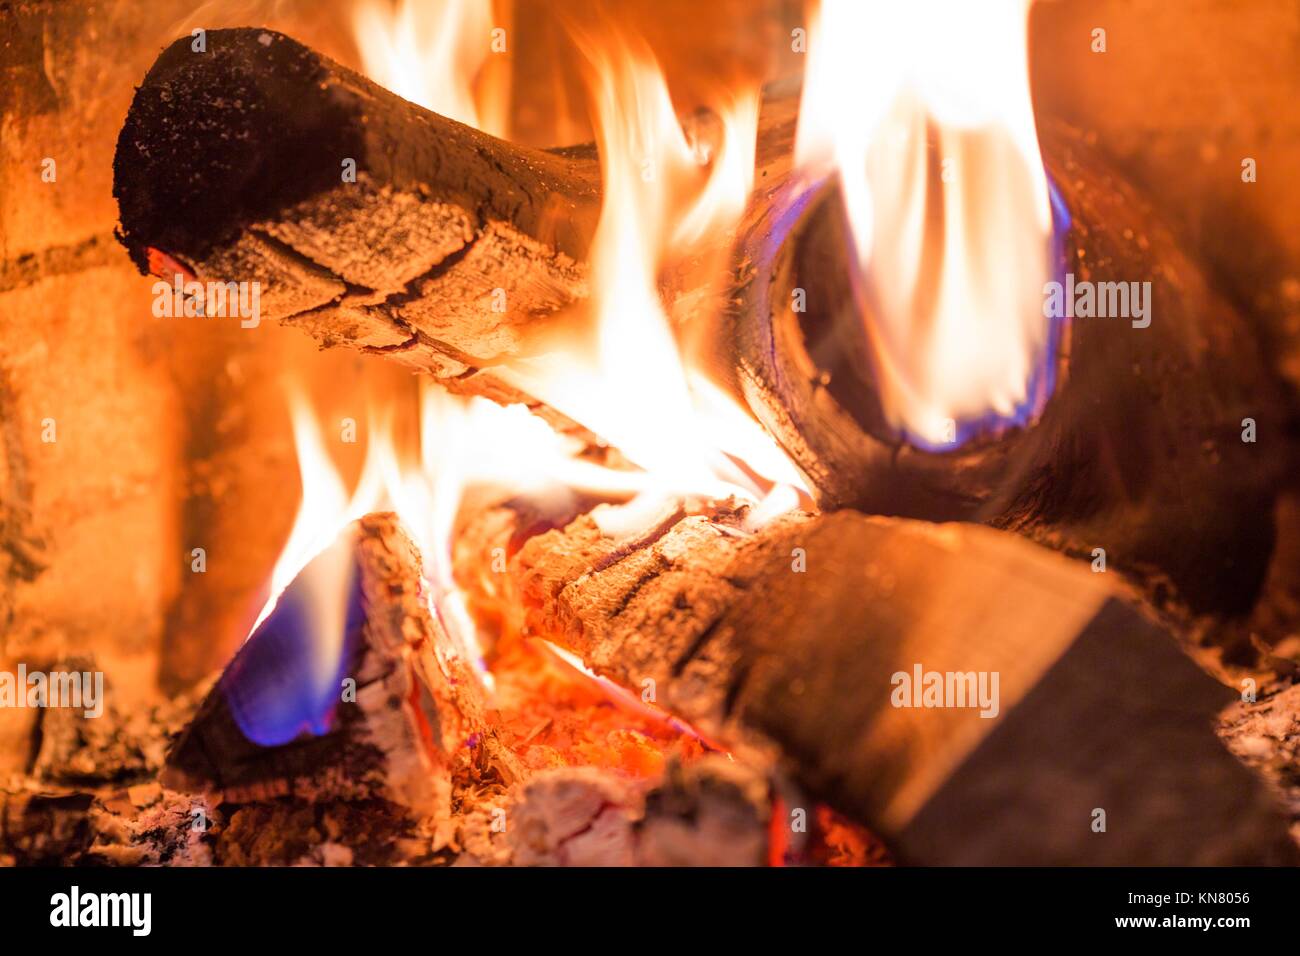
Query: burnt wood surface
[232,163]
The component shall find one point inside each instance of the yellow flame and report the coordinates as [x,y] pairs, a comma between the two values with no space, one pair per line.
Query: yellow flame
[637,392]
[955,319]
[462,443]
[431,52]
[665,192]
[326,507]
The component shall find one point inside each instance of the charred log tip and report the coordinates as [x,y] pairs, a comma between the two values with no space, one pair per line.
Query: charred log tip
[256,159]
[1138,449]
[215,139]
[834,344]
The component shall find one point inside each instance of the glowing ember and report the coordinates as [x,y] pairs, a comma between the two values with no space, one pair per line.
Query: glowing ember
[626,699]
[558,714]
[923,111]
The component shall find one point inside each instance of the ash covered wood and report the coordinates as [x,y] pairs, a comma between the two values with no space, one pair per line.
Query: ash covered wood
[711,812]
[1095,707]
[91,794]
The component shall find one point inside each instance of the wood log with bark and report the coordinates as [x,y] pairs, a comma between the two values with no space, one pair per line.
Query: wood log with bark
[1141,449]
[450,250]
[365,218]
[791,642]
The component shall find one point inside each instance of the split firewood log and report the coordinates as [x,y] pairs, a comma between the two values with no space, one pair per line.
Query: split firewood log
[1067,727]
[450,250]
[400,714]
[237,163]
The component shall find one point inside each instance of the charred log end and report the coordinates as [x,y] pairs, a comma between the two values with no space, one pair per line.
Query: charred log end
[804,368]
[194,165]
[353,210]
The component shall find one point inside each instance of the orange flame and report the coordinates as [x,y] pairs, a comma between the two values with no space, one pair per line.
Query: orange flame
[432,52]
[462,442]
[665,196]
[662,192]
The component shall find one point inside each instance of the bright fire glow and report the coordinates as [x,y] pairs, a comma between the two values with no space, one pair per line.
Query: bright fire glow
[431,52]
[664,192]
[326,508]
[954,243]
[462,443]
[634,389]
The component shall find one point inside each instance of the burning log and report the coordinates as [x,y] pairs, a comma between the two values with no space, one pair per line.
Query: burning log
[1141,451]
[451,251]
[804,640]
[396,714]
[441,221]
[365,218]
